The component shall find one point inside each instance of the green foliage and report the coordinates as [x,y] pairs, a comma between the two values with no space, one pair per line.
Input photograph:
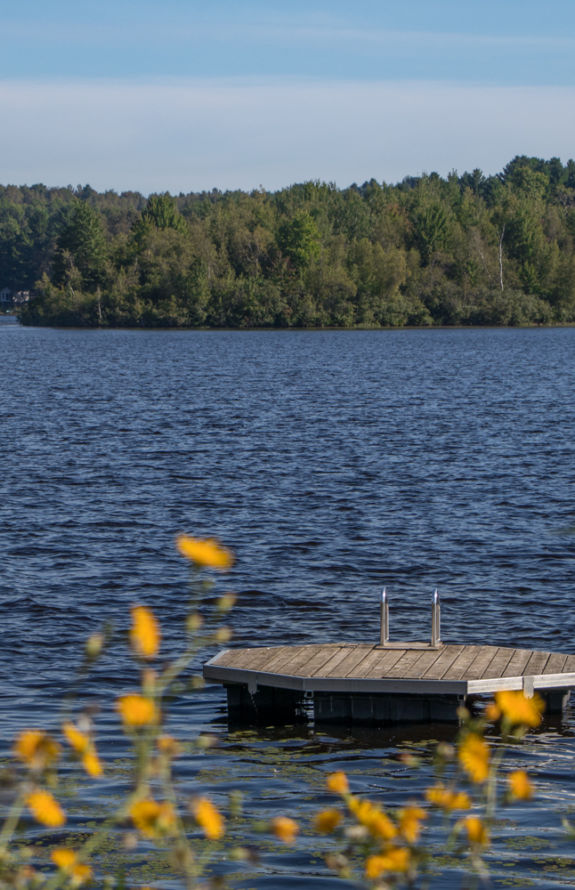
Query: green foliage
[160,213]
[298,239]
[467,249]
[431,229]
[80,250]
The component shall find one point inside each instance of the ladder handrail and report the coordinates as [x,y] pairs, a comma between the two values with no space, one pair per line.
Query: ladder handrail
[384,619]
[435,619]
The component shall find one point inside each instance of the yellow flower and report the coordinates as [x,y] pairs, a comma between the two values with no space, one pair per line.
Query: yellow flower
[168,746]
[45,809]
[381,826]
[63,858]
[194,622]
[152,818]
[78,740]
[226,602]
[83,745]
[492,712]
[36,748]
[207,553]
[223,635]
[136,710]
[285,828]
[91,763]
[410,820]
[145,632]
[67,861]
[371,817]
[442,797]
[327,821]
[94,646]
[338,783]
[208,818]
[81,873]
[396,859]
[476,831]
[518,709]
[474,757]
[519,785]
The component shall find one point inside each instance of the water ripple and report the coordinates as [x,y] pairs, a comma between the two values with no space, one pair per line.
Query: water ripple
[333,463]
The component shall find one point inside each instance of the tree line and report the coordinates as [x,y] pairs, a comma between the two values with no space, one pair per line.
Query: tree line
[469,249]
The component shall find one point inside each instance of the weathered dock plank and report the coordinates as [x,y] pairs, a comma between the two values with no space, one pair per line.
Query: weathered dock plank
[484,655]
[244,659]
[330,668]
[427,663]
[517,663]
[499,662]
[536,663]
[352,665]
[406,666]
[318,660]
[556,663]
[344,662]
[464,658]
[441,667]
[280,659]
[377,663]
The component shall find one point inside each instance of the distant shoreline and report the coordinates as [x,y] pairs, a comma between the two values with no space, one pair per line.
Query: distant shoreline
[249,330]
[469,250]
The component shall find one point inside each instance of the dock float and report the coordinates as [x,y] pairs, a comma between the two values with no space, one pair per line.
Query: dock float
[383,683]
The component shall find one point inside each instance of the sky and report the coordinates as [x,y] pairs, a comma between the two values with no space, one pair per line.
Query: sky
[186,96]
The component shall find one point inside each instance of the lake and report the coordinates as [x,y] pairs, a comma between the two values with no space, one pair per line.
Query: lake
[333,463]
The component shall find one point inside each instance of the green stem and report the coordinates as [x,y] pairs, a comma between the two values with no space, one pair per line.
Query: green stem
[13,818]
[491,795]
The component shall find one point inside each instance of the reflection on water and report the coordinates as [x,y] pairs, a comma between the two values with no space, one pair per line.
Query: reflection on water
[333,463]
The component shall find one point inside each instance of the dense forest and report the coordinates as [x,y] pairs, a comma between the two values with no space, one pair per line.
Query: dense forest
[467,249]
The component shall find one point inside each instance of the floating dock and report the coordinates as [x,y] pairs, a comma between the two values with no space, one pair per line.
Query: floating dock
[384,683]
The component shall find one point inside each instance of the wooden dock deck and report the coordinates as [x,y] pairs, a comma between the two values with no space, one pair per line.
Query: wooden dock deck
[382,684]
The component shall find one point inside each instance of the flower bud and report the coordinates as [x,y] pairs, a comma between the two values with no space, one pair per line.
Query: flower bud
[94,646]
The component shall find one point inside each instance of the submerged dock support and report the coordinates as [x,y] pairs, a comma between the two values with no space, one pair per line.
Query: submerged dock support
[284,706]
[556,700]
[384,710]
[265,704]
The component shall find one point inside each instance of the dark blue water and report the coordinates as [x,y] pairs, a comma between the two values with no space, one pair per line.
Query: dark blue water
[332,463]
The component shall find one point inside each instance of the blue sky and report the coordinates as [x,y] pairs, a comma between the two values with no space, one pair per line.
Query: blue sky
[185,96]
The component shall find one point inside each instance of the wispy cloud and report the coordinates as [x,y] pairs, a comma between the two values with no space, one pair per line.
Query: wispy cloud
[187,135]
[288,31]
[342,34]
